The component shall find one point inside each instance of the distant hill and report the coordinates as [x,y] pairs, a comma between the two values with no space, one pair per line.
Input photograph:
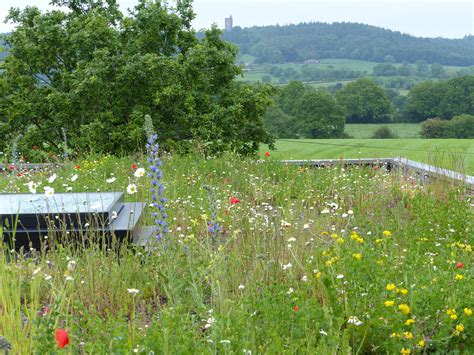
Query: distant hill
[2,44]
[312,41]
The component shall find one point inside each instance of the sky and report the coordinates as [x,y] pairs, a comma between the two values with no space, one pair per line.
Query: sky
[422,18]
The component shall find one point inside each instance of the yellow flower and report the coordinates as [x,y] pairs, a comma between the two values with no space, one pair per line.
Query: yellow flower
[421,343]
[357,256]
[450,311]
[395,335]
[460,328]
[340,241]
[390,287]
[318,274]
[378,241]
[408,335]
[469,248]
[459,277]
[468,312]
[405,309]
[405,351]
[453,316]
[410,322]
[334,236]
[389,303]
[387,233]
[379,262]
[403,291]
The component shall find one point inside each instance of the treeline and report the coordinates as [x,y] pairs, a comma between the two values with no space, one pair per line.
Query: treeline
[310,73]
[307,41]
[303,111]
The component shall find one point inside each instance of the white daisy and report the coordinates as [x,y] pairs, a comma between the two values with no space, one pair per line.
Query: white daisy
[48,191]
[139,172]
[132,189]
[52,178]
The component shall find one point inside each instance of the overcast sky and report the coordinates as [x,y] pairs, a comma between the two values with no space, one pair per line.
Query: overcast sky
[426,18]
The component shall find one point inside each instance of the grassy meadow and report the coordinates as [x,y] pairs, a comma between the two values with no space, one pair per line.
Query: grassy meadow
[402,130]
[455,154]
[319,261]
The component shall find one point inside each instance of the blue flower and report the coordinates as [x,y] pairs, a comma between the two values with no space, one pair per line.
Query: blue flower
[157,199]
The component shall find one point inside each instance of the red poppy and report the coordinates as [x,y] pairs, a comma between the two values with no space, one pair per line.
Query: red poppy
[19,174]
[234,200]
[11,167]
[77,167]
[459,265]
[134,166]
[62,338]
[296,308]
[267,153]
[376,167]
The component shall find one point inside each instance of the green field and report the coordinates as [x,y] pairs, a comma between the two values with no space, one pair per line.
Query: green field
[402,130]
[256,72]
[455,154]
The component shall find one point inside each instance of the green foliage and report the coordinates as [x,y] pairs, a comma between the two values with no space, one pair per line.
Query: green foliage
[302,111]
[316,40]
[280,124]
[461,126]
[443,99]
[386,69]
[364,102]
[384,132]
[319,115]
[97,72]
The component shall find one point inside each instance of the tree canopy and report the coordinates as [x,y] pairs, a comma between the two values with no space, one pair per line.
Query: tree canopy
[364,102]
[443,99]
[90,71]
[302,111]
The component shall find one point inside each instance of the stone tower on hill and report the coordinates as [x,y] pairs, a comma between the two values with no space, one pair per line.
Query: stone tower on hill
[229,23]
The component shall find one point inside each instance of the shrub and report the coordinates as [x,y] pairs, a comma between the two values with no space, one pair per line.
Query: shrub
[461,126]
[384,132]
[434,128]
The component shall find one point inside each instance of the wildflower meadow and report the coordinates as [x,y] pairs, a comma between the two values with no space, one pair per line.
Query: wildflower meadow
[248,257]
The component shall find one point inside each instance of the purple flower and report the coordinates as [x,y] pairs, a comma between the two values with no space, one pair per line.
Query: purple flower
[157,199]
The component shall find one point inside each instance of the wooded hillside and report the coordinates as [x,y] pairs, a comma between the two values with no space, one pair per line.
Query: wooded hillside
[307,41]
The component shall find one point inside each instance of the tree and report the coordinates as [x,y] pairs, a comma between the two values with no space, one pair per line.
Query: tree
[364,102]
[280,124]
[433,128]
[319,115]
[290,95]
[437,71]
[443,99]
[95,73]
[386,69]
[384,132]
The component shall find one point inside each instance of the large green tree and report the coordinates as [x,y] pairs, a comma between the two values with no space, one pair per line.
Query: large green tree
[319,115]
[364,102]
[90,71]
[443,99]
